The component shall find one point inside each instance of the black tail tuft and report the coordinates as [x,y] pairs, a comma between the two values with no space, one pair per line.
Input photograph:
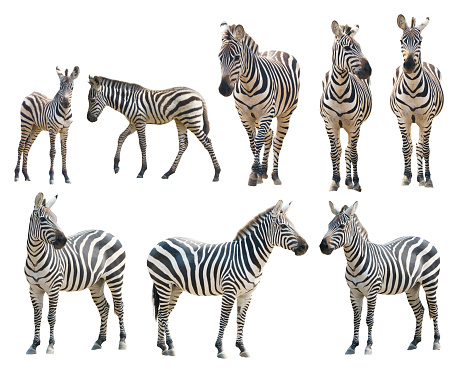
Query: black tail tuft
[155,302]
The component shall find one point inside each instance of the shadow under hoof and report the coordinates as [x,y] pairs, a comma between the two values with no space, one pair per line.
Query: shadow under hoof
[244,354]
[222,355]
[31,351]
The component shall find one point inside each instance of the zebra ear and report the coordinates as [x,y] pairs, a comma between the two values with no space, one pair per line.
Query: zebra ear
[336,29]
[285,208]
[223,28]
[423,24]
[75,73]
[354,30]
[351,210]
[239,33]
[277,208]
[402,22]
[39,200]
[59,73]
[51,202]
[333,209]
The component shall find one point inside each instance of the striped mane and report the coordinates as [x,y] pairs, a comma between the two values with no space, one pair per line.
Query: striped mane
[245,231]
[361,228]
[251,44]
[119,84]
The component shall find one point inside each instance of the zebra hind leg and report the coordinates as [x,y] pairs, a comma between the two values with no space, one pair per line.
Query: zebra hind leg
[102,305]
[175,294]
[161,297]
[243,302]
[226,307]
[265,159]
[430,291]
[336,152]
[183,145]
[115,287]
[418,310]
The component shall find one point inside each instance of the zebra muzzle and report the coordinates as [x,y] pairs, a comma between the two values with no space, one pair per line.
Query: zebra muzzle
[225,89]
[301,248]
[60,240]
[325,248]
[91,117]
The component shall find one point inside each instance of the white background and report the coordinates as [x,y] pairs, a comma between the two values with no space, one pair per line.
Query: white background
[300,319]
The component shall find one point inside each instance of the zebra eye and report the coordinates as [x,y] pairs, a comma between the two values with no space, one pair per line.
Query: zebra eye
[347,48]
[283,225]
[342,226]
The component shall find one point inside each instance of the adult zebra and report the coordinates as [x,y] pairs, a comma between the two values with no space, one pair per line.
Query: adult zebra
[417,97]
[231,269]
[265,86]
[142,106]
[402,265]
[346,101]
[40,113]
[57,263]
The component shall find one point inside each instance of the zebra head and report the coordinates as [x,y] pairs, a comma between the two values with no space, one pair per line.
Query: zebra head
[283,234]
[97,100]
[341,229]
[66,86]
[43,223]
[346,51]
[230,57]
[411,42]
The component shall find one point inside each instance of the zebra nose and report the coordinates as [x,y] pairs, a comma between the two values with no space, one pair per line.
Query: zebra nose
[91,117]
[409,64]
[65,103]
[60,241]
[224,88]
[324,247]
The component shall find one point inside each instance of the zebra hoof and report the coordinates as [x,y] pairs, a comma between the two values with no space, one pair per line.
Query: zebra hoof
[412,346]
[265,176]
[368,351]
[222,355]
[405,181]
[31,351]
[116,170]
[216,178]
[50,350]
[277,181]
[68,181]
[51,181]
[357,188]
[244,354]
[333,187]
[139,176]
[169,352]
[350,351]
[436,346]
[429,184]
[165,176]
[421,183]
[16,178]
[122,345]
[260,180]
[97,346]
[350,186]
[252,182]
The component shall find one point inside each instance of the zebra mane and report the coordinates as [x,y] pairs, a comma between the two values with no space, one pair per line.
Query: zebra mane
[244,231]
[361,228]
[346,29]
[119,84]
[249,41]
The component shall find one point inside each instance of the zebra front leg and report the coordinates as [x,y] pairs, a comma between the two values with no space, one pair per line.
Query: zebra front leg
[256,173]
[63,152]
[265,159]
[102,305]
[336,152]
[371,300]
[115,287]
[407,151]
[425,131]
[26,130]
[243,302]
[37,301]
[356,299]
[142,142]
[226,307]
[53,299]
[30,140]
[282,129]
[122,137]
[419,150]
[354,160]
[430,291]
[52,154]
[183,145]
[161,297]
[417,308]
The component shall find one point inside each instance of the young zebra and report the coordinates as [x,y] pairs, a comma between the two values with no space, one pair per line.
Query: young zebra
[57,263]
[231,269]
[417,97]
[266,86]
[402,265]
[346,101]
[143,106]
[40,113]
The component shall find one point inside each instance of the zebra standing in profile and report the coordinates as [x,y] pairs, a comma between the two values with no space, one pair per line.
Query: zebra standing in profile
[142,106]
[231,269]
[417,97]
[265,86]
[84,260]
[402,265]
[40,113]
[346,101]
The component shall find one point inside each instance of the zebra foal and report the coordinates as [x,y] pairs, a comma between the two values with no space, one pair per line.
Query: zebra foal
[82,261]
[346,101]
[142,106]
[402,265]
[231,269]
[417,97]
[40,113]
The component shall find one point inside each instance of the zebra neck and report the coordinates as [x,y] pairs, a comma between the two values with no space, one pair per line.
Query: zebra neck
[117,97]
[340,79]
[357,250]
[249,79]
[256,248]
[37,250]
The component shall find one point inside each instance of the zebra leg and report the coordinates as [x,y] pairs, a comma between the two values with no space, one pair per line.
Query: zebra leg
[264,126]
[348,179]
[417,307]
[430,291]
[336,151]
[354,160]
[426,132]
[26,130]
[183,145]
[356,299]
[102,305]
[419,150]
[52,154]
[53,299]
[164,293]
[243,302]
[407,151]
[122,137]
[142,142]
[196,129]
[371,300]
[265,159]
[175,294]
[37,301]
[30,140]
[250,125]
[226,307]
[282,129]
[115,287]
[63,152]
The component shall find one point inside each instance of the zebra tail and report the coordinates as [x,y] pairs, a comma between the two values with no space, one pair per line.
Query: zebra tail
[155,301]
[206,127]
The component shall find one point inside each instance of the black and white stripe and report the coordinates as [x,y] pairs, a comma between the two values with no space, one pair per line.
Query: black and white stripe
[346,101]
[402,265]
[417,97]
[40,113]
[265,86]
[142,106]
[82,261]
[231,269]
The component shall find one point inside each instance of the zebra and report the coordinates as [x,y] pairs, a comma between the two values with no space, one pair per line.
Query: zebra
[143,106]
[232,269]
[402,265]
[417,97]
[82,261]
[40,113]
[346,101]
[265,86]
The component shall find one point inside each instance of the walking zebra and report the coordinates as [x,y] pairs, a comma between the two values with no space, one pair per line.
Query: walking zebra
[417,97]
[231,269]
[57,263]
[402,265]
[346,101]
[266,86]
[40,113]
[143,106]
